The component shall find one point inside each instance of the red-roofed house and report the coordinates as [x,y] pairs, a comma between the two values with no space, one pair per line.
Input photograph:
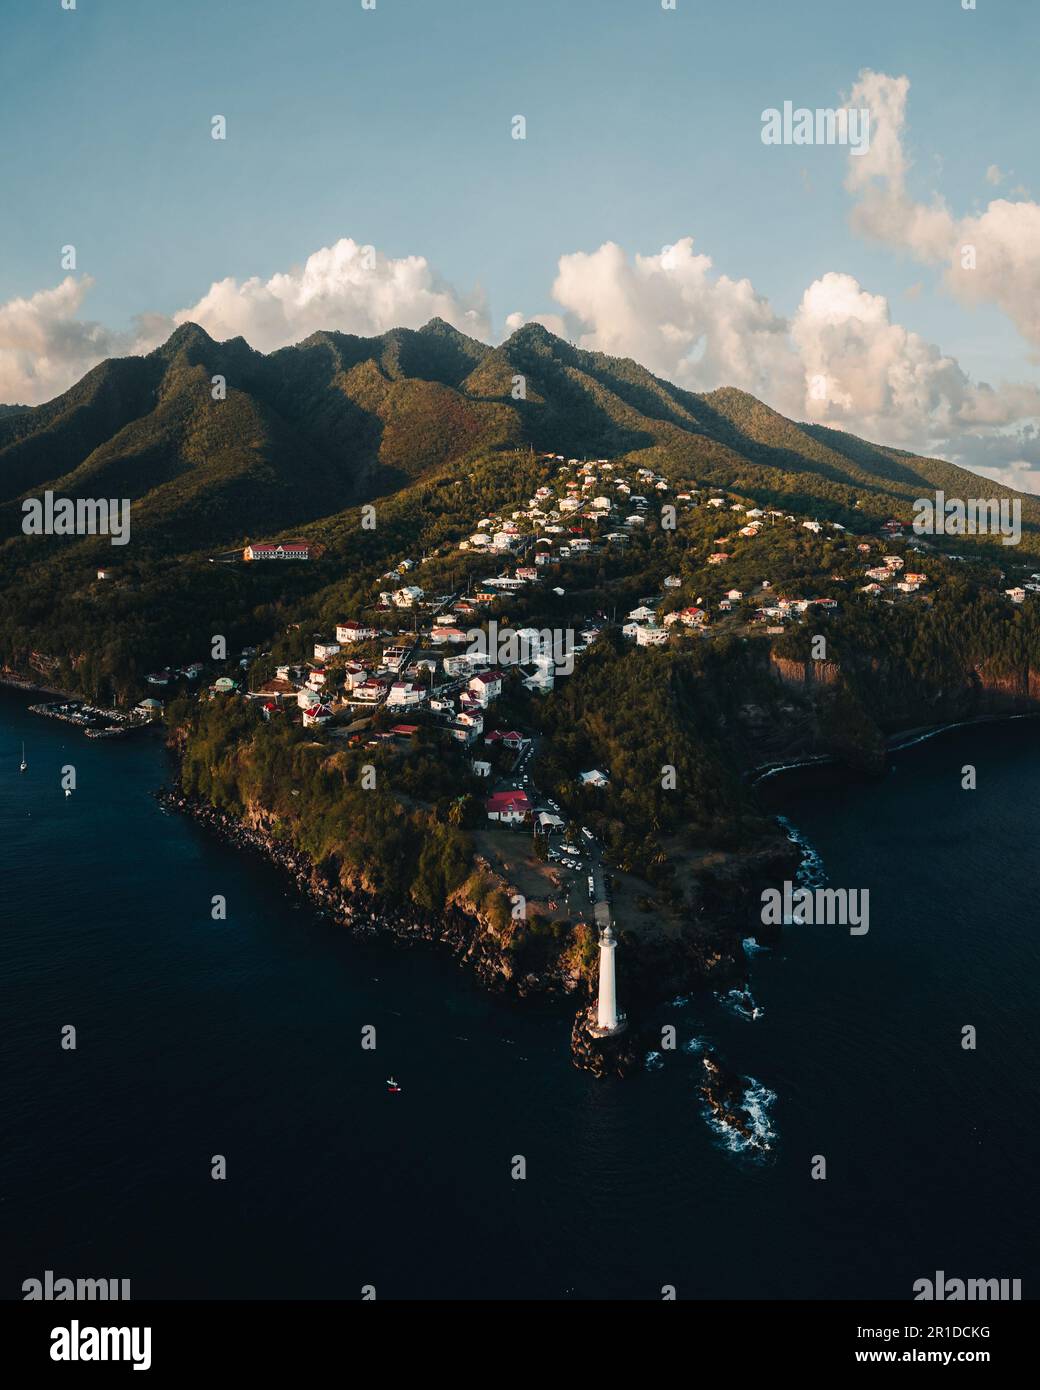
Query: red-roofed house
[486,686]
[508,807]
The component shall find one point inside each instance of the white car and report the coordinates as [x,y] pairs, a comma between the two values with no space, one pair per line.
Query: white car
[587,832]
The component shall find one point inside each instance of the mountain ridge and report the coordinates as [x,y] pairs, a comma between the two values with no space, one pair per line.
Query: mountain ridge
[214,439]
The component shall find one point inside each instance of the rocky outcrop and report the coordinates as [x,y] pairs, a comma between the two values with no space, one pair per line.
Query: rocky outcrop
[619,1055]
[725,1094]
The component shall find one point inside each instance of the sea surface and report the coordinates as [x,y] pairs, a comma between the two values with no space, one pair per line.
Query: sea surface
[242,1038]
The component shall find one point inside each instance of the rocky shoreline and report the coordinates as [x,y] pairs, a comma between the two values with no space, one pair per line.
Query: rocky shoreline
[361,912]
[471,941]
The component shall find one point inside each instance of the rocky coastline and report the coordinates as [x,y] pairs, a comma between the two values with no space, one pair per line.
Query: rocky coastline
[688,965]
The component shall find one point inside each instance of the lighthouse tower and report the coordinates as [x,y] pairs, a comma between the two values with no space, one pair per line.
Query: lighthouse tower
[607,1015]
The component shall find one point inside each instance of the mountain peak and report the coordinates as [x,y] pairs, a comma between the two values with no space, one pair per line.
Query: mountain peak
[185,335]
[535,333]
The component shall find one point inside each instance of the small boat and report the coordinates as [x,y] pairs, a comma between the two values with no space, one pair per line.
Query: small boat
[23,765]
[68,791]
[392,1086]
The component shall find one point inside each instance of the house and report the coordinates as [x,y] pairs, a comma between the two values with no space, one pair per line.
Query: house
[353,676]
[872,589]
[485,687]
[407,597]
[915,578]
[892,562]
[324,650]
[393,657]
[275,691]
[595,778]
[316,715]
[734,595]
[718,558]
[672,581]
[508,739]
[283,550]
[510,808]
[693,616]
[405,730]
[354,631]
[404,694]
[148,709]
[369,692]
[651,636]
[1016,595]
[642,614]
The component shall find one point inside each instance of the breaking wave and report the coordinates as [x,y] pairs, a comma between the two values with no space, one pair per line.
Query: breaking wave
[810,872]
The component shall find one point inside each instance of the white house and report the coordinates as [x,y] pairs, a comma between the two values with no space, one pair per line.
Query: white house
[485,687]
[404,695]
[324,650]
[408,596]
[595,778]
[354,631]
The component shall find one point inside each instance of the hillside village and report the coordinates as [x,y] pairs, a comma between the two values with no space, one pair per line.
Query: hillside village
[411,651]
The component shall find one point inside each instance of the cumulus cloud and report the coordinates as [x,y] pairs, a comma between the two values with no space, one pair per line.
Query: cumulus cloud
[670,314]
[840,360]
[351,288]
[45,346]
[990,257]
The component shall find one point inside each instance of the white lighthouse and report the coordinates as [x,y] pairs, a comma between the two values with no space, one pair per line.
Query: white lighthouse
[608,1020]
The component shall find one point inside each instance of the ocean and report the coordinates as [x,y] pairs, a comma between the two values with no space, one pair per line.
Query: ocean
[242,1038]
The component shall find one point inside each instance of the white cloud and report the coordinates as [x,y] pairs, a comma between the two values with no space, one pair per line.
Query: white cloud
[45,346]
[840,360]
[346,287]
[992,257]
[668,313]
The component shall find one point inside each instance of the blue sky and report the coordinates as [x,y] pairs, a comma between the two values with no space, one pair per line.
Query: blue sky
[392,127]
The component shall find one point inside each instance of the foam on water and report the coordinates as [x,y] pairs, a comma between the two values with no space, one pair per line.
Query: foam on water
[810,873]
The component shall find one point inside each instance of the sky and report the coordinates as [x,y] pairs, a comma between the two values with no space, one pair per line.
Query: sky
[370,178]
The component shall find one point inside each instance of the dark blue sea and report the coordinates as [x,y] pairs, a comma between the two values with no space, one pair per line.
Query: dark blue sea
[242,1038]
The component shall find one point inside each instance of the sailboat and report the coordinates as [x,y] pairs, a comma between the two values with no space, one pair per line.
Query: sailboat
[23,764]
[392,1086]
